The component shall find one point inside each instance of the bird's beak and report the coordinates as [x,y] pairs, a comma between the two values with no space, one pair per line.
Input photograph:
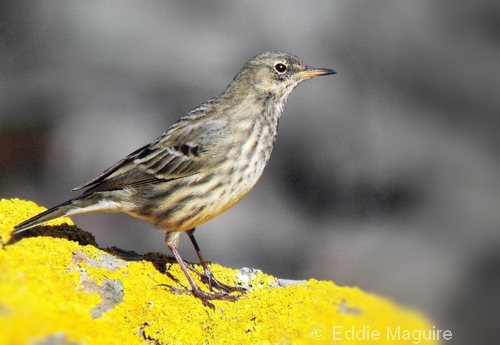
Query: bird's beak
[310,72]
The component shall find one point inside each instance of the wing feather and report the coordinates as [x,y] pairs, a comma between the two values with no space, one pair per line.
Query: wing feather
[180,152]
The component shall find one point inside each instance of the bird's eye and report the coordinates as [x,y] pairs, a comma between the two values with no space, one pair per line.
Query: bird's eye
[280,68]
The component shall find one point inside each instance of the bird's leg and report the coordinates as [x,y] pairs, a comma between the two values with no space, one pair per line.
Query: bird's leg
[172,242]
[208,277]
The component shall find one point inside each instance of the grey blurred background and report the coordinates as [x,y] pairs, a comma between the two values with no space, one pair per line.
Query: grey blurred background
[384,176]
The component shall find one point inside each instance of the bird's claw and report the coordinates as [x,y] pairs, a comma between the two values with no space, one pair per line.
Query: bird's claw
[205,297]
[209,279]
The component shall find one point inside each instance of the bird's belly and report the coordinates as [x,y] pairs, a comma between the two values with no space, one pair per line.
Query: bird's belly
[204,196]
[220,194]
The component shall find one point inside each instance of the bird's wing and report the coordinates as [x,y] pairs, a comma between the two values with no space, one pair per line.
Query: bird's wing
[180,152]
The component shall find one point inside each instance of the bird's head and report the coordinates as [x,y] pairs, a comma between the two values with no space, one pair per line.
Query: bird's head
[276,73]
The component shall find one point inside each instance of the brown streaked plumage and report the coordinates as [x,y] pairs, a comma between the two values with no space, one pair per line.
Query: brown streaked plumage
[202,165]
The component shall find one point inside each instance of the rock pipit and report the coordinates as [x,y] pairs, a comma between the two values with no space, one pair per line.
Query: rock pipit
[202,165]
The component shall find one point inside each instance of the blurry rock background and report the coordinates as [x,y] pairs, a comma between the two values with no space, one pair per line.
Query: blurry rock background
[384,176]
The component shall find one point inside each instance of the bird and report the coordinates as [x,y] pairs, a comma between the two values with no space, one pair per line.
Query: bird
[201,166]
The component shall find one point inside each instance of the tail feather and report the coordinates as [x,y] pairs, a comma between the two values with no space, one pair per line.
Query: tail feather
[83,204]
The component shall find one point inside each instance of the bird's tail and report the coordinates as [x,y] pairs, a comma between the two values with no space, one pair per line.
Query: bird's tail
[83,204]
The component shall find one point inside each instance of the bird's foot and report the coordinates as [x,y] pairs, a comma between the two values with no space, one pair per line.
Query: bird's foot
[212,283]
[205,297]
[209,279]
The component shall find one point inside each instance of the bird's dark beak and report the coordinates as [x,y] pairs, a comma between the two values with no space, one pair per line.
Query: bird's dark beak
[310,72]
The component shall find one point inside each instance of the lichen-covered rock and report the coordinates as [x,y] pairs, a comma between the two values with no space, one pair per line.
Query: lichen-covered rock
[69,291]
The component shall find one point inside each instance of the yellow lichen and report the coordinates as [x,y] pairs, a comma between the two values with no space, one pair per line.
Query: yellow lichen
[51,288]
